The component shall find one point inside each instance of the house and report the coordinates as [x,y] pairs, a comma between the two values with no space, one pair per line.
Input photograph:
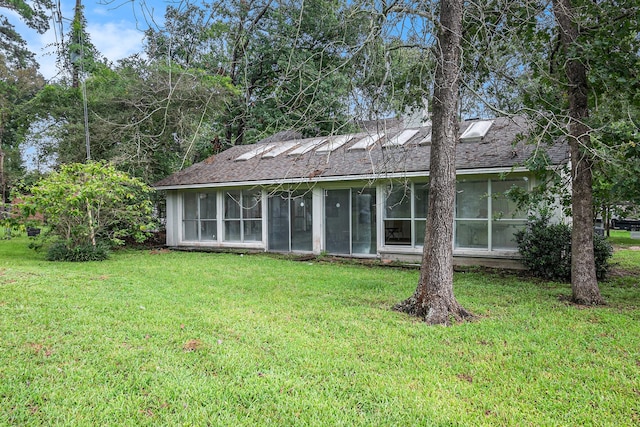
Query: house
[362,195]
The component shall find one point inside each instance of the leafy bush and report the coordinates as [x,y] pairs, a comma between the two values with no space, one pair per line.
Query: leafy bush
[603,252]
[62,251]
[88,203]
[546,250]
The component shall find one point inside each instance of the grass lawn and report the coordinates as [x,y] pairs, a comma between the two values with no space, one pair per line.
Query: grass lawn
[174,338]
[627,251]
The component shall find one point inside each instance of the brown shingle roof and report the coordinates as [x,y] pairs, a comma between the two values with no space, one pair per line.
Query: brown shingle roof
[495,150]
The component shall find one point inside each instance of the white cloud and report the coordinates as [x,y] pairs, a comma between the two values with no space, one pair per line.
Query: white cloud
[115,40]
[114,31]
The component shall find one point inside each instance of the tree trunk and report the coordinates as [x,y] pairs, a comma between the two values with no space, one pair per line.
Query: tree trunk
[433,299]
[584,283]
[3,184]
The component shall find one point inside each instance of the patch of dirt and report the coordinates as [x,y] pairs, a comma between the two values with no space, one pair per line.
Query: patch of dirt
[615,271]
[39,348]
[192,345]
[465,377]
[159,251]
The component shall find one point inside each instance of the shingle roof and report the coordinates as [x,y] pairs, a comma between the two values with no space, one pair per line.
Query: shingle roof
[494,150]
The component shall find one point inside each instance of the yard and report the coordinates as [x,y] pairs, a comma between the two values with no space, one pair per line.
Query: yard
[176,338]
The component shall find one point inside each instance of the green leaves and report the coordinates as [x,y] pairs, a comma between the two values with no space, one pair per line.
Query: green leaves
[92,202]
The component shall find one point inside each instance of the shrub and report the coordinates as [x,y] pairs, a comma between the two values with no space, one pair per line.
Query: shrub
[546,250]
[61,251]
[89,203]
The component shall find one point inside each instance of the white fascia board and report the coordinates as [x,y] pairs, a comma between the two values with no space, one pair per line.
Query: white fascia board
[320,179]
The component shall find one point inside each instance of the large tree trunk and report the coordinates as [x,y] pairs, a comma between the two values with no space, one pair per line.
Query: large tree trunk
[433,299]
[584,283]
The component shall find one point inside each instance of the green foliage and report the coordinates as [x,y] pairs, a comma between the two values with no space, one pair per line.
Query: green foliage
[289,62]
[19,84]
[85,204]
[149,118]
[546,250]
[34,13]
[61,251]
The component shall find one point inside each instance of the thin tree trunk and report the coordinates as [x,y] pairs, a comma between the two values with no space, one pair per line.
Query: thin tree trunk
[92,229]
[584,283]
[433,299]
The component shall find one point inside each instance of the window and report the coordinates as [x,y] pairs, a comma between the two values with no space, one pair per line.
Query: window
[367,142]
[199,216]
[243,216]
[350,221]
[476,131]
[486,219]
[507,219]
[405,214]
[472,224]
[421,206]
[291,221]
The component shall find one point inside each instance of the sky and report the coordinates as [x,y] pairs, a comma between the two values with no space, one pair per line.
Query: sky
[116,29]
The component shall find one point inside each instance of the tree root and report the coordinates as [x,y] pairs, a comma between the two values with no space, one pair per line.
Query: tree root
[438,312]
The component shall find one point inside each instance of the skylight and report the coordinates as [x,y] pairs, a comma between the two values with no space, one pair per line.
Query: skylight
[307,146]
[334,143]
[367,141]
[260,149]
[281,148]
[476,130]
[401,138]
[426,140]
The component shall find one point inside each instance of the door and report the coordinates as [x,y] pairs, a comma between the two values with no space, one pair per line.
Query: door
[337,210]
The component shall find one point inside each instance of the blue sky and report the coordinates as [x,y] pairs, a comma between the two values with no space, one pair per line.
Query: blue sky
[116,29]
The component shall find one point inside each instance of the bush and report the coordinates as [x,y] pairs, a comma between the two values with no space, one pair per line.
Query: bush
[546,250]
[61,251]
[88,202]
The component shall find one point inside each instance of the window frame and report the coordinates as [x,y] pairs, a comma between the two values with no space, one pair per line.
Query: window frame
[198,220]
[488,218]
[244,218]
[414,218]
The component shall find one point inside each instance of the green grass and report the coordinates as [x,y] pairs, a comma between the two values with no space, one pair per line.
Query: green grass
[626,252]
[622,238]
[175,338]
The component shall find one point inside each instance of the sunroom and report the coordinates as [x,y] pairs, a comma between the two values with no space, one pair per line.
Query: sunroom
[360,195]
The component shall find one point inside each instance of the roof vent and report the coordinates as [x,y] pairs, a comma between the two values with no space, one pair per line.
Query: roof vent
[476,131]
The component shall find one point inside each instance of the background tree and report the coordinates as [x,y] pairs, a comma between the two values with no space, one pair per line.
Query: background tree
[17,87]
[34,13]
[587,62]
[19,81]
[288,60]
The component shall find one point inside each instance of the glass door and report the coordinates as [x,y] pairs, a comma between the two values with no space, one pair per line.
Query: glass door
[363,228]
[290,221]
[337,230]
[279,222]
